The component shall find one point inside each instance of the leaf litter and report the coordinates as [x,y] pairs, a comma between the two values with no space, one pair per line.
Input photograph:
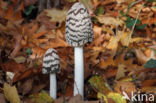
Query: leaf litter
[121,57]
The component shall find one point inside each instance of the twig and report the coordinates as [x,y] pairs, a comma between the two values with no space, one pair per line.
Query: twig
[135,21]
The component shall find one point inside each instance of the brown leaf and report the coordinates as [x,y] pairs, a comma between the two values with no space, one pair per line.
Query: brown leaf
[2,98]
[19,76]
[9,12]
[29,2]
[149,21]
[127,87]
[150,82]
[17,46]
[121,71]
[27,86]
[37,35]
[78,99]
[45,20]
[150,89]
[39,87]
[14,67]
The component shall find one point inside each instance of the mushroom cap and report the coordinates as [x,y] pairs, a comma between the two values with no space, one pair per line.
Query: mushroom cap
[51,62]
[79,27]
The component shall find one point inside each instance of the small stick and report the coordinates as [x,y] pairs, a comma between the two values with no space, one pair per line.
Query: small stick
[135,21]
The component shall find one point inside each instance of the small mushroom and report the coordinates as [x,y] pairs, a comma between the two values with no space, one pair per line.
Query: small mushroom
[79,31]
[51,65]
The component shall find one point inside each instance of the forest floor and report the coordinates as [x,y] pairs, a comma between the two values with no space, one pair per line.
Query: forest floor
[121,61]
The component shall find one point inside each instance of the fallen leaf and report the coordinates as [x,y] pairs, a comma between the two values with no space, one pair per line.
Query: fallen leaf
[27,86]
[116,97]
[20,59]
[151,89]
[113,43]
[125,38]
[150,82]
[110,21]
[2,98]
[147,52]
[141,56]
[136,40]
[102,96]
[11,93]
[99,84]
[127,87]
[56,15]
[78,99]
[121,71]
[42,97]
[14,67]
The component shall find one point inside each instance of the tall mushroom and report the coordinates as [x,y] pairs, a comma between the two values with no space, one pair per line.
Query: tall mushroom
[79,31]
[51,65]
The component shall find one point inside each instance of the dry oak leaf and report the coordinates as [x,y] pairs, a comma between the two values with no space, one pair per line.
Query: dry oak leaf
[113,42]
[97,31]
[125,38]
[127,87]
[56,15]
[121,71]
[37,53]
[11,93]
[104,63]
[110,21]
[142,58]
[150,89]
[8,12]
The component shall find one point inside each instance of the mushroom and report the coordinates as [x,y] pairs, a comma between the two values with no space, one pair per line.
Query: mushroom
[51,65]
[79,31]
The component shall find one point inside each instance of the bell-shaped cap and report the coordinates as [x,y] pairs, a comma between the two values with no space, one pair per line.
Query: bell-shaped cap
[79,27]
[51,62]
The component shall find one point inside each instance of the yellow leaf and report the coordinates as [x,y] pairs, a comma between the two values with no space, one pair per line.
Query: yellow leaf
[41,97]
[113,43]
[56,15]
[110,20]
[102,96]
[116,97]
[138,39]
[125,38]
[11,94]
[121,71]
[99,84]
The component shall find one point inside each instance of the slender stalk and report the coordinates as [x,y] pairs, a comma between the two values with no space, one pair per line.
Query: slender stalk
[79,71]
[53,87]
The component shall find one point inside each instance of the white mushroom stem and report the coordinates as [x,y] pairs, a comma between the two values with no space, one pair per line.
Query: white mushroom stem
[79,71]
[53,87]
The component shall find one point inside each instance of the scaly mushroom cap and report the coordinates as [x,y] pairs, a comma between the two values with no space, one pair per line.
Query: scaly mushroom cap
[79,28]
[51,62]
